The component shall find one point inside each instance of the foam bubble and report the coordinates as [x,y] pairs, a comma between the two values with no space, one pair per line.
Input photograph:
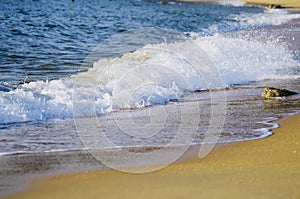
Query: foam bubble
[148,76]
[236,3]
[242,21]
[268,17]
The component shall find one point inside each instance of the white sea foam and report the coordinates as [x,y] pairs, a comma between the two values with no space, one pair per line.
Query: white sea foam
[236,3]
[151,75]
[268,17]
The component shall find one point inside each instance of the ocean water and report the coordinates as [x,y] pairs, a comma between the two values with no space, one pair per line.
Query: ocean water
[103,74]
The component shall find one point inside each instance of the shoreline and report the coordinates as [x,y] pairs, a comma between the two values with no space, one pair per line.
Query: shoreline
[265,168]
[232,169]
[285,4]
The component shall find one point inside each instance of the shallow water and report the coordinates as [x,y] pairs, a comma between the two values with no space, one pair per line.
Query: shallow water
[56,146]
[119,74]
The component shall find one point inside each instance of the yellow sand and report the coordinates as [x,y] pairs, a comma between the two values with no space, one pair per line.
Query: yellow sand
[266,168]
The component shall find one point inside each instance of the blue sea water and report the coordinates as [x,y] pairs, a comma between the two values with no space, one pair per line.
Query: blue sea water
[44,40]
[114,65]
[50,39]
[50,47]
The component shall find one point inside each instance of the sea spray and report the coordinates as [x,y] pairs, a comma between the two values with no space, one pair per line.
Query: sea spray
[238,61]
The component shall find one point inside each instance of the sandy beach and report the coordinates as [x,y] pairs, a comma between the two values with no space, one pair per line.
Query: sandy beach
[266,168]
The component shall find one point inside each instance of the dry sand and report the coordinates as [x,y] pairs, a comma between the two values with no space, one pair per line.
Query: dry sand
[266,168]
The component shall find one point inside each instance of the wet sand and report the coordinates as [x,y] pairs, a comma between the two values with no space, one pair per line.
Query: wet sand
[266,168]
